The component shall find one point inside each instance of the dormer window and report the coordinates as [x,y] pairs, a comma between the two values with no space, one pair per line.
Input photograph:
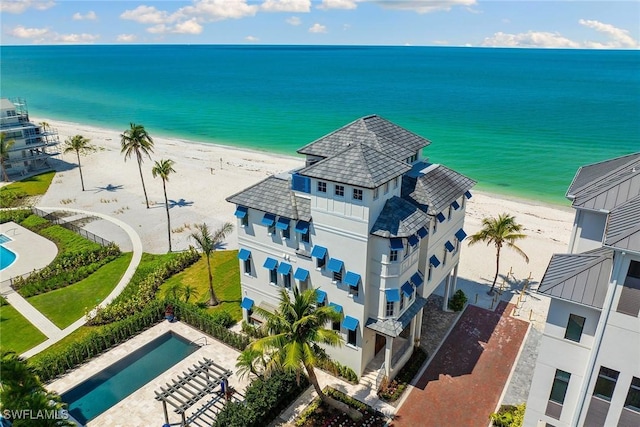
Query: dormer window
[339,190]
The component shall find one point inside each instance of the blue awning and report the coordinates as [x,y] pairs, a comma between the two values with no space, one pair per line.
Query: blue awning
[397,245]
[393,295]
[247,303]
[350,323]
[413,240]
[301,274]
[449,246]
[268,219]
[283,223]
[455,205]
[336,307]
[422,232]
[407,289]
[352,279]
[284,268]
[319,251]
[321,295]
[335,265]
[417,279]
[460,235]
[467,194]
[434,261]
[302,227]
[244,254]
[270,263]
[441,217]
[241,211]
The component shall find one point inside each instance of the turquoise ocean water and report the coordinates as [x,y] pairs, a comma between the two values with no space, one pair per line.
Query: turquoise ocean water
[519,121]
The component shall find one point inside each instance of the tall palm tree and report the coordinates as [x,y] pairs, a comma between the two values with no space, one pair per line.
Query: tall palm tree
[501,231]
[164,168]
[136,140]
[80,145]
[5,146]
[207,242]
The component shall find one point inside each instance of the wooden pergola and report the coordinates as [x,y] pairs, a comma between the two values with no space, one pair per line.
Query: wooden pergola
[190,387]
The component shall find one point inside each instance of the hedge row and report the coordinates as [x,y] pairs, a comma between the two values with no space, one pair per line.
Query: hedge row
[16,216]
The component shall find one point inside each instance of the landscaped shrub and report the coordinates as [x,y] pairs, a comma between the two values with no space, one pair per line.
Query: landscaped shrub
[509,416]
[3,301]
[337,369]
[319,414]
[12,198]
[35,223]
[391,391]
[457,302]
[252,331]
[16,216]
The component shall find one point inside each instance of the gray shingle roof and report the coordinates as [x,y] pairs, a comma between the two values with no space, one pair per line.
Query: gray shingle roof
[435,188]
[373,131]
[274,195]
[393,327]
[399,218]
[582,278]
[358,165]
[623,226]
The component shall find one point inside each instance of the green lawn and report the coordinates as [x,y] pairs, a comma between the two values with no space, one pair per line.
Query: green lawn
[226,282]
[67,240]
[16,332]
[66,305]
[32,186]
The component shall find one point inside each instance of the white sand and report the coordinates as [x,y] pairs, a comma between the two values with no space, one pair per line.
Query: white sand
[206,174]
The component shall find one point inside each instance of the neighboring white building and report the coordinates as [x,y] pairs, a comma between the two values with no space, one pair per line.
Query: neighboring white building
[588,367]
[369,223]
[33,145]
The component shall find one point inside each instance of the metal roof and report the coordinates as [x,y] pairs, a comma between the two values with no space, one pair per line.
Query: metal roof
[399,218]
[589,174]
[623,226]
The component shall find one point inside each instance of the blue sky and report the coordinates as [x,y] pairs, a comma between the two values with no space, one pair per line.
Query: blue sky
[507,23]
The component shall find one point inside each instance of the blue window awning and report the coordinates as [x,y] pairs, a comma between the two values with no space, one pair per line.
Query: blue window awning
[441,217]
[335,265]
[244,254]
[397,245]
[434,261]
[460,235]
[449,246]
[247,303]
[268,219]
[350,323]
[393,295]
[413,240]
[352,279]
[301,274]
[407,289]
[322,295]
[467,194]
[455,205]
[241,211]
[302,227]
[284,268]
[422,232]
[319,252]
[336,307]
[283,223]
[270,263]
[417,279]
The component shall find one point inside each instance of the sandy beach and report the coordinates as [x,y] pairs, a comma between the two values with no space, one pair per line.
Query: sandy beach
[206,174]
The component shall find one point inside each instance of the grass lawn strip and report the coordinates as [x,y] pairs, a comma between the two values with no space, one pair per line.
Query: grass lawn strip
[16,332]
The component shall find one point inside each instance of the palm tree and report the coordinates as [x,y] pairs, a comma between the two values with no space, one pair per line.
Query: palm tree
[5,146]
[250,361]
[164,168]
[295,330]
[207,243]
[80,145]
[501,231]
[137,140]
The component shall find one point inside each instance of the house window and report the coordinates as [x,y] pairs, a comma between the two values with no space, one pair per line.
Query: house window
[457,246]
[429,272]
[435,225]
[606,383]
[322,187]
[320,262]
[444,257]
[337,276]
[574,328]
[633,397]
[335,326]
[247,266]
[401,302]
[351,337]
[339,191]
[271,230]
[245,220]
[273,277]
[629,302]
[559,387]
[395,182]
[305,237]
[353,290]
[393,255]
[286,233]
[286,278]
[450,212]
[389,310]
[357,194]
[386,187]
[376,193]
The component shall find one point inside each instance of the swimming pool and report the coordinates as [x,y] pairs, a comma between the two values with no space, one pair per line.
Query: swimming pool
[4,238]
[95,395]
[7,257]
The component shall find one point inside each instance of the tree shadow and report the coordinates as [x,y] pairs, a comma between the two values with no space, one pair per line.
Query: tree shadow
[110,188]
[180,203]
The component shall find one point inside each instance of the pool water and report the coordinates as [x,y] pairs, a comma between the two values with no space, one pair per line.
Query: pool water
[95,395]
[7,257]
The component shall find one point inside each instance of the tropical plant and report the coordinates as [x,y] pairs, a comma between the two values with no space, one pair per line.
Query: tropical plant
[250,361]
[296,330]
[501,231]
[5,146]
[207,242]
[189,291]
[164,168]
[80,145]
[136,140]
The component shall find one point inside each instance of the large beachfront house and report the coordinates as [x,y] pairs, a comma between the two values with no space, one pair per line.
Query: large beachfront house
[369,223]
[588,368]
[33,144]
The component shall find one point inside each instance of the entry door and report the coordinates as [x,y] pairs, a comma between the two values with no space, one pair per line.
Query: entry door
[380,342]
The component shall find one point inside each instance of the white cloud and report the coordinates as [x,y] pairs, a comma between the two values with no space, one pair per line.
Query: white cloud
[19,6]
[338,4]
[251,39]
[75,38]
[146,15]
[90,16]
[619,38]
[188,27]
[286,6]
[159,29]
[317,28]
[217,10]
[44,35]
[294,20]
[529,39]
[126,38]
[28,33]
[424,6]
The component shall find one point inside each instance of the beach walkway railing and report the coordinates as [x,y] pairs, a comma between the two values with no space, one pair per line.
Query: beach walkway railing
[56,219]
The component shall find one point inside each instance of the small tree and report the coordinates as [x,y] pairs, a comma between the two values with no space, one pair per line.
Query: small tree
[207,242]
[5,146]
[80,145]
[136,140]
[164,168]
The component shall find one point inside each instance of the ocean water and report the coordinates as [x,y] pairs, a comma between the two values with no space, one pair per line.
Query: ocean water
[519,121]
